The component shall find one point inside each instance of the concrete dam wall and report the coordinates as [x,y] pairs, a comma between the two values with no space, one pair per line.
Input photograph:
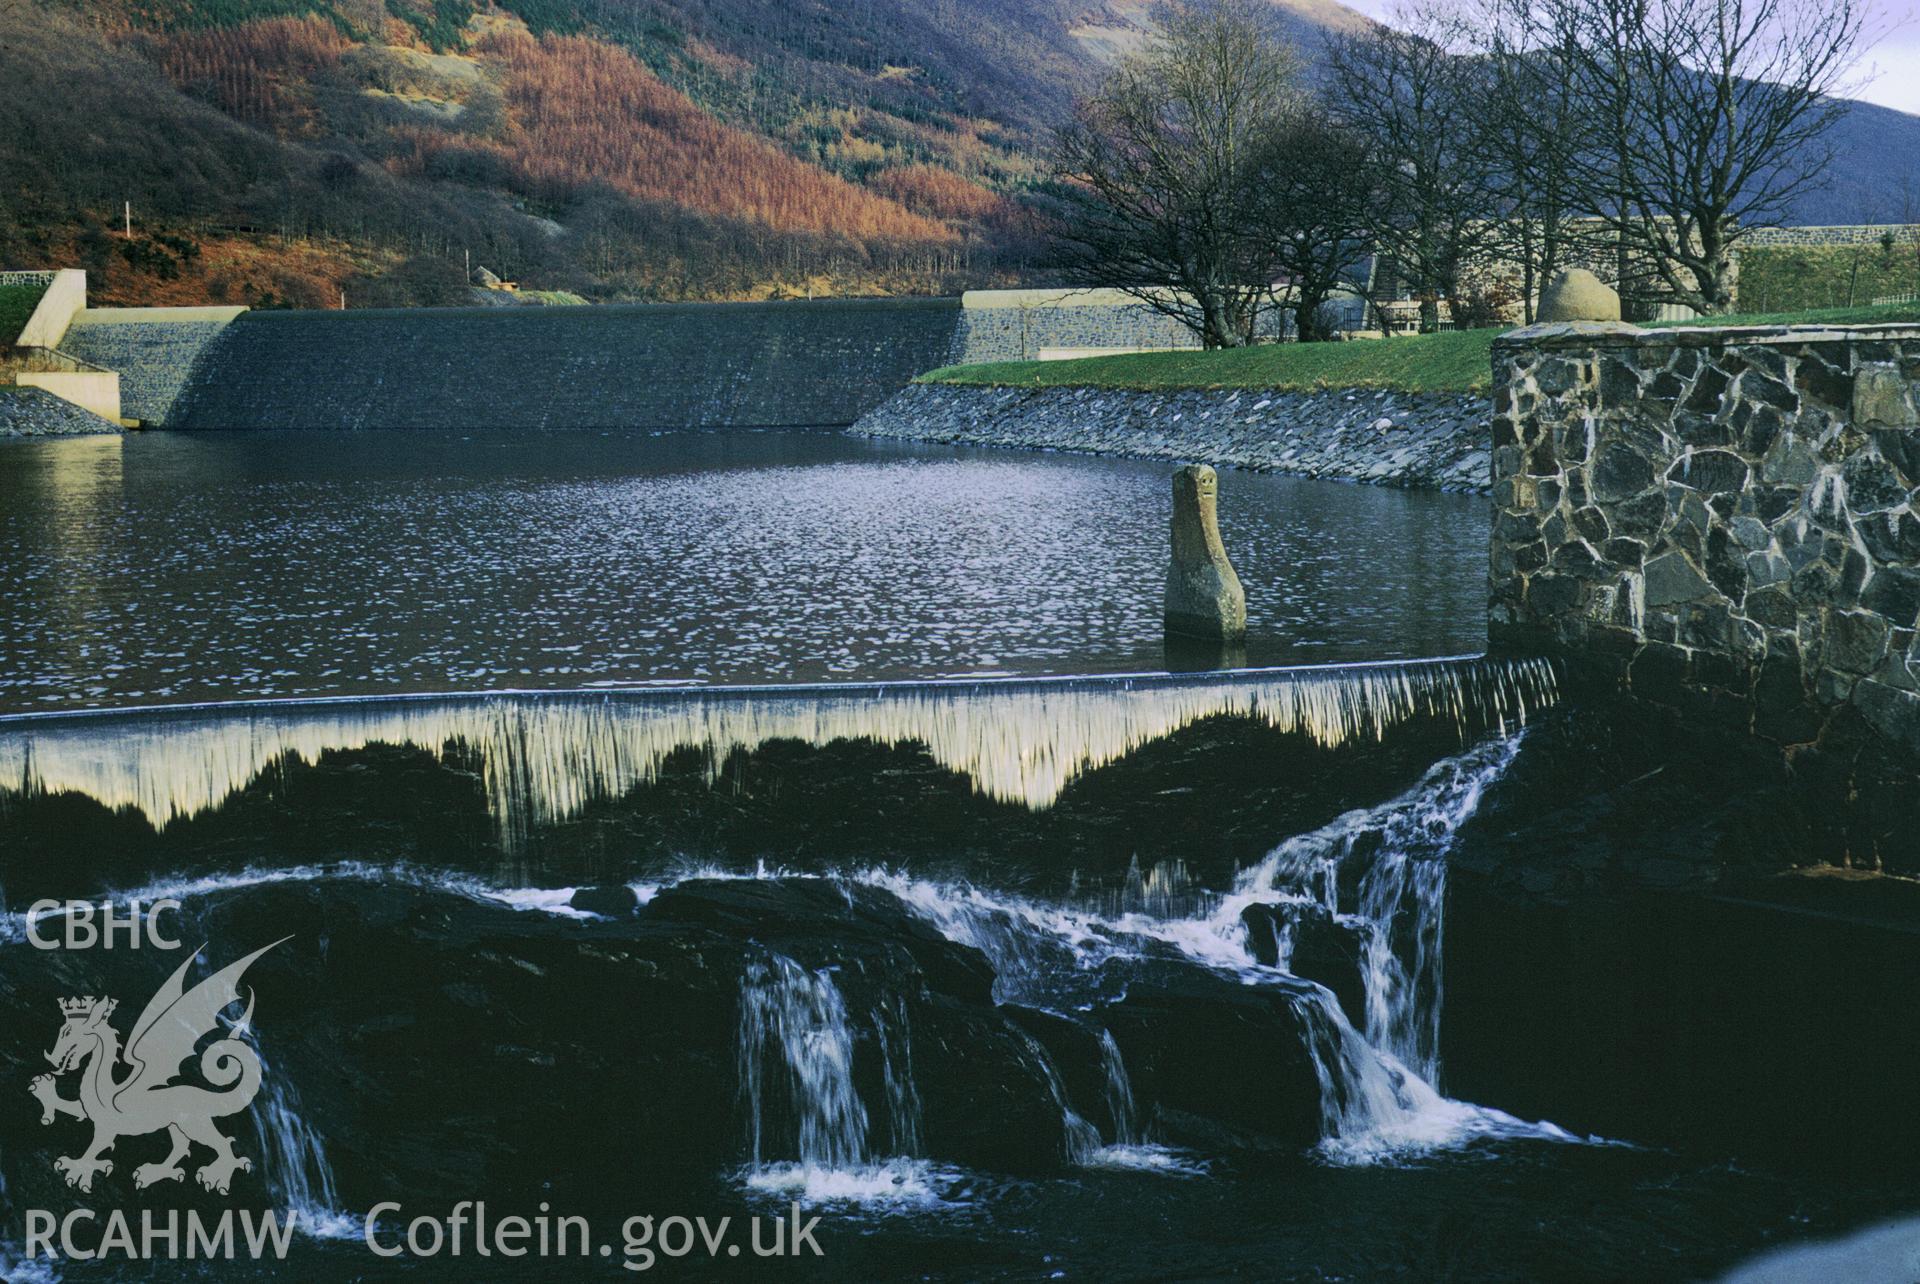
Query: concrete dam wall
[709,365]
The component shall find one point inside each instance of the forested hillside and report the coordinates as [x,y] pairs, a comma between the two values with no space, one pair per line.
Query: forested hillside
[353,146]
[284,152]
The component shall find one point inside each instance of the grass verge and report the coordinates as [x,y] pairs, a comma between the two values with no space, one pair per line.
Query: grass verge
[17,303]
[1458,361]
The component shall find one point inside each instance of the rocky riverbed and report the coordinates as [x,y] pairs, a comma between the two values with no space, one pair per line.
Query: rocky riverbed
[1381,438]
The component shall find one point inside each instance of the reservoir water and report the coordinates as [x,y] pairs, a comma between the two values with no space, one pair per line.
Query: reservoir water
[1003,966]
[170,567]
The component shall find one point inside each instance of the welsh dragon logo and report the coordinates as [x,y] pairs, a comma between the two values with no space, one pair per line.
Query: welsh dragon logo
[147,1097]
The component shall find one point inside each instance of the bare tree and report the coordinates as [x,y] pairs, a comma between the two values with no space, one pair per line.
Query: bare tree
[1712,118]
[1532,124]
[1157,165]
[1315,197]
[1417,104]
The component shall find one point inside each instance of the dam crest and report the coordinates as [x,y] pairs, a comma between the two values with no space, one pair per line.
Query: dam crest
[545,757]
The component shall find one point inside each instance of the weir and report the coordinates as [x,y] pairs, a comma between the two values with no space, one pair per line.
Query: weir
[644,366]
[544,757]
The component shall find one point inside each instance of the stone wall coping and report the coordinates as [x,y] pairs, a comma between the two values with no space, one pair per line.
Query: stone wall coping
[1579,335]
[136,316]
[1051,297]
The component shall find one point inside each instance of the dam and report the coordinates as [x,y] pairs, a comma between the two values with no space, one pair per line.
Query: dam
[640,366]
[605,367]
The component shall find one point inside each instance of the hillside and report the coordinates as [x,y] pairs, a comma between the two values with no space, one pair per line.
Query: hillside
[292,151]
[349,146]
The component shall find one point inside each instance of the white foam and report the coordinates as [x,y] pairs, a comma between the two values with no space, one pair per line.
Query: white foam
[891,1185]
[1147,1157]
[548,900]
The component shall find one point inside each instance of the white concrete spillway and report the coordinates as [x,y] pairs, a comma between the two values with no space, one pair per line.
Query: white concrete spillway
[546,755]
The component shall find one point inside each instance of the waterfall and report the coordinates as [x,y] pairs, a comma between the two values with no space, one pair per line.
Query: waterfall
[544,758]
[808,1131]
[1126,1131]
[1131,1147]
[1399,907]
[1403,980]
[1379,1098]
[800,1018]
[294,1159]
[1376,874]
[1379,1090]
[896,1071]
[1083,1139]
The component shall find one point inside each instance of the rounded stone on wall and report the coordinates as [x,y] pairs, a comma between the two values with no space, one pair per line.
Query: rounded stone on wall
[1577,295]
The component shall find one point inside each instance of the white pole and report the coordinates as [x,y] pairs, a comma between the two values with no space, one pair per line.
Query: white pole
[129,214]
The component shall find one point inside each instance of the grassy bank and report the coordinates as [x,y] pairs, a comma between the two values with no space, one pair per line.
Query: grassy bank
[1451,362]
[1777,277]
[17,303]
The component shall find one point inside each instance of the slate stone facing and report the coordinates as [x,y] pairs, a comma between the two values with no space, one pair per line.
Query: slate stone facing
[1357,435]
[616,366]
[1015,333]
[154,360]
[35,412]
[1717,519]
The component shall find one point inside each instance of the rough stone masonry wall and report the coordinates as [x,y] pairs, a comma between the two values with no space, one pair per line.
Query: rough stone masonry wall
[648,366]
[1018,325]
[155,358]
[1856,234]
[1381,438]
[1720,519]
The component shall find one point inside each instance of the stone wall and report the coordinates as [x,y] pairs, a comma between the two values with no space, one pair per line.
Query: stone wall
[708,365]
[1719,520]
[154,350]
[35,412]
[1856,234]
[1381,438]
[1024,325]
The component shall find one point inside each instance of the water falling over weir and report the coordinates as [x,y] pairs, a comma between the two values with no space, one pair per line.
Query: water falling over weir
[546,756]
[831,1079]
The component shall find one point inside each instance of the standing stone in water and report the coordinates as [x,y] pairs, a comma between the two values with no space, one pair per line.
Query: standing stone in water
[1204,597]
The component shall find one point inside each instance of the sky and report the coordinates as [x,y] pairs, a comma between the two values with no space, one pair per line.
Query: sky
[1889,74]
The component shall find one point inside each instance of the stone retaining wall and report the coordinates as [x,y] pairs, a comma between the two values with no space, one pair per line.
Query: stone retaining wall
[1381,438]
[1024,325]
[35,412]
[648,366]
[154,350]
[1717,519]
[1857,234]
